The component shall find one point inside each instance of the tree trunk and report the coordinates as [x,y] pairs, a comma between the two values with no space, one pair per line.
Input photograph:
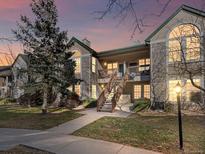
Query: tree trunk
[45,99]
[57,100]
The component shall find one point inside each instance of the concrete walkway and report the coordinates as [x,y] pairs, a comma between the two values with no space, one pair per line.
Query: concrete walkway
[56,139]
[90,116]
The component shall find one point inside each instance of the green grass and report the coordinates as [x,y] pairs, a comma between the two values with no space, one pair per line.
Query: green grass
[158,133]
[15,116]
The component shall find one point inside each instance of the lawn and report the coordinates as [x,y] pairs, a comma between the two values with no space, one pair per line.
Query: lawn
[158,133]
[15,116]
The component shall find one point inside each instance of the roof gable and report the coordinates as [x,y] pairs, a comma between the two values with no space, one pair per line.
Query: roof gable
[184,8]
[75,40]
[23,56]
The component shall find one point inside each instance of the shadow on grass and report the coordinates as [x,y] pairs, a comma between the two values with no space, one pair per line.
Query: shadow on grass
[14,116]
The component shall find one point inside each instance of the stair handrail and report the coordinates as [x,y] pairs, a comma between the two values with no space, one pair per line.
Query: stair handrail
[119,91]
[108,88]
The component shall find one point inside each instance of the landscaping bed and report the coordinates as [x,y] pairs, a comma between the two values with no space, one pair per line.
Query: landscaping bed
[16,116]
[158,133]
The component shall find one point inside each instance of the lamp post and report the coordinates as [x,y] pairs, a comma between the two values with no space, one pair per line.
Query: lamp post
[178,91]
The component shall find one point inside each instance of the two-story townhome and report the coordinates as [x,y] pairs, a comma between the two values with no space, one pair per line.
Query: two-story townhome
[142,71]
[149,66]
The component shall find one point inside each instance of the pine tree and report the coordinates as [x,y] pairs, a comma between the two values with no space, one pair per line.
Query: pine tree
[46,47]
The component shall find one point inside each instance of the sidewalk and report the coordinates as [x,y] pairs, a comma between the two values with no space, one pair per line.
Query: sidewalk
[90,116]
[58,141]
[64,144]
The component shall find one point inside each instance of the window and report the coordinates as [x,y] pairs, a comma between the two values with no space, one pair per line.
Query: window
[94,91]
[144,64]
[93,64]
[132,67]
[77,89]
[192,48]
[172,92]
[76,53]
[146,91]
[190,88]
[137,91]
[147,61]
[174,51]
[184,40]
[111,67]
[78,65]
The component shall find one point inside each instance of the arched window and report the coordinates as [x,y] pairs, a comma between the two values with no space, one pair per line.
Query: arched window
[184,43]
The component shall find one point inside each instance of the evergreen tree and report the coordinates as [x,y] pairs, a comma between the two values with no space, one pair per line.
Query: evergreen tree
[46,48]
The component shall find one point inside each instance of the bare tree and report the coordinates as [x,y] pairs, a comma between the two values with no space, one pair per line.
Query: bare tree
[187,58]
[124,9]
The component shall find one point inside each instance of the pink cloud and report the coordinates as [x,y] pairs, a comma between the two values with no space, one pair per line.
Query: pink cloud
[10,10]
[13,4]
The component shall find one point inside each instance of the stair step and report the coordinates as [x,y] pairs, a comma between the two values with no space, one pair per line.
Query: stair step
[106,109]
[107,106]
[108,103]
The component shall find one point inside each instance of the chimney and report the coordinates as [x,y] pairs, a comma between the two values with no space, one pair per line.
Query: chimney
[86,42]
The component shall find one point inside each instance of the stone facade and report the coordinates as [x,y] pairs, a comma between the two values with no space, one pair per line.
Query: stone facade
[161,70]
[158,72]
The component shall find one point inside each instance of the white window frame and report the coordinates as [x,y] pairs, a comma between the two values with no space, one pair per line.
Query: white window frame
[94,64]
[94,91]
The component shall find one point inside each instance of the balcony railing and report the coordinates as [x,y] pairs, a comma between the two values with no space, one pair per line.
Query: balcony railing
[135,73]
[139,73]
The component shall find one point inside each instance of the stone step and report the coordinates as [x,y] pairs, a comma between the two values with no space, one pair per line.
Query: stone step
[105,110]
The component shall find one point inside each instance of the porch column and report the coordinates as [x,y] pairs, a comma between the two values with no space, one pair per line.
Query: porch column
[125,69]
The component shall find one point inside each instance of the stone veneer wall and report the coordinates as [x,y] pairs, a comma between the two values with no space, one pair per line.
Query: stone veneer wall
[158,72]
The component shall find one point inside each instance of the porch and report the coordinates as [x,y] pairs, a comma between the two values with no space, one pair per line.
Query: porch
[135,73]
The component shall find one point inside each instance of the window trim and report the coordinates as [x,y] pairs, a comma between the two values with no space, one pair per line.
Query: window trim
[94,95]
[94,65]
[78,58]
[168,39]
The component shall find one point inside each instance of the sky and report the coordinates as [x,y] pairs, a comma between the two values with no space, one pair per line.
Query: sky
[78,18]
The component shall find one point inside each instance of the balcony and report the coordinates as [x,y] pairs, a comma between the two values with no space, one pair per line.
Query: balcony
[139,73]
[136,73]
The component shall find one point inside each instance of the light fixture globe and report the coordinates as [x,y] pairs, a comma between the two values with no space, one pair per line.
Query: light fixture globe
[178,88]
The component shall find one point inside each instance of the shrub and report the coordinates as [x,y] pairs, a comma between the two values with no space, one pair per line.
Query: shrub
[34,99]
[169,107]
[73,96]
[140,105]
[196,97]
[7,101]
[70,100]
[90,103]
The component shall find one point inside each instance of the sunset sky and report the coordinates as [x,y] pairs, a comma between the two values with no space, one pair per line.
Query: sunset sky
[76,16]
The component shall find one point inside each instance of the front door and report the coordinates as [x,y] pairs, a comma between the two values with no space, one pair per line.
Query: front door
[121,69]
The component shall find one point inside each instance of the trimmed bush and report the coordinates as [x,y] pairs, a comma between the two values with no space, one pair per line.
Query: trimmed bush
[71,100]
[140,105]
[7,101]
[169,107]
[34,99]
[90,103]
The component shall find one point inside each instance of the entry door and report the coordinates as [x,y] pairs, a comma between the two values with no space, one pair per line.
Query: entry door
[121,69]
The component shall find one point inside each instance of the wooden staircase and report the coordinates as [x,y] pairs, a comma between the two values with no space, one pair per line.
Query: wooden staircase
[108,99]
